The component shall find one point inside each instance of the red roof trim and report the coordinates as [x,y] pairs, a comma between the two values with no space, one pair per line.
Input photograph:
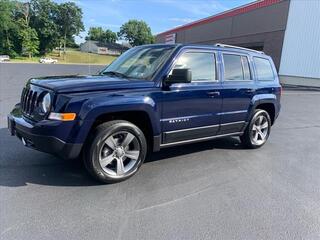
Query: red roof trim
[230,13]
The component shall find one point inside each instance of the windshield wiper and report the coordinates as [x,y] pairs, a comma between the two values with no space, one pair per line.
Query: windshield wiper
[114,73]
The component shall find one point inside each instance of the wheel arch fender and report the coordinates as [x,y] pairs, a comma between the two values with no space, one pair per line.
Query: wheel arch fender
[93,109]
[260,100]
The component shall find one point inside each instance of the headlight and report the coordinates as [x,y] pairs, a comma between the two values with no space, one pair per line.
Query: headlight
[46,102]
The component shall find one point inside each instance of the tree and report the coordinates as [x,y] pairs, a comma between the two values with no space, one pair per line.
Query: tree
[98,34]
[31,26]
[109,36]
[136,33]
[28,36]
[95,33]
[30,41]
[6,24]
[70,21]
[43,18]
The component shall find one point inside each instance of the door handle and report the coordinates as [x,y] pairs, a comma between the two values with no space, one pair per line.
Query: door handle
[213,94]
[250,90]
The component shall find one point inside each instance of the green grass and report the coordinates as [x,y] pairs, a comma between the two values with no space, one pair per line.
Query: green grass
[25,59]
[72,56]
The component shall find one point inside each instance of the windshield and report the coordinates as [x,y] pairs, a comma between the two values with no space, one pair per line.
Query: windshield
[139,62]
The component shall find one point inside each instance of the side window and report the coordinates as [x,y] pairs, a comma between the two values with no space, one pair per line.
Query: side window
[236,67]
[201,64]
[264,69]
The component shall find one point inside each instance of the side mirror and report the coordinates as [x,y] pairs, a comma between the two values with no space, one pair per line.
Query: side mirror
[183,75]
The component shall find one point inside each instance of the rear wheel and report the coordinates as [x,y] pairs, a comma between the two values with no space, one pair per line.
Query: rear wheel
[115,151]
[258,130]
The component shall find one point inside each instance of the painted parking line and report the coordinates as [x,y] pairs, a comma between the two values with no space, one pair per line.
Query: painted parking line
[301,93]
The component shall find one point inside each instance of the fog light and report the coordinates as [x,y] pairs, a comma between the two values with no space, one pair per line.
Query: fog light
[62,116]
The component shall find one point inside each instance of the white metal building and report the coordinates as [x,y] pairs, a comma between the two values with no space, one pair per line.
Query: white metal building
[300,59]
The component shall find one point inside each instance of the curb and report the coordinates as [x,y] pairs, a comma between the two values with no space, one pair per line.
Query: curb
[292,87]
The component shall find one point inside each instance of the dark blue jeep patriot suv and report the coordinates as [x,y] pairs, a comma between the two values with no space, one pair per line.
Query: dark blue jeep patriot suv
[151,97]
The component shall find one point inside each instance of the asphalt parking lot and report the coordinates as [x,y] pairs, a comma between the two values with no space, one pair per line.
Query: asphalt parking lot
[211,190]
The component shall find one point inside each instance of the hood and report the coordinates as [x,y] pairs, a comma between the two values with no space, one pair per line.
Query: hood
[64,84]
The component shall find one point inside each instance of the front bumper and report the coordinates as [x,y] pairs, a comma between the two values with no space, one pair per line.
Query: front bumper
[33,135]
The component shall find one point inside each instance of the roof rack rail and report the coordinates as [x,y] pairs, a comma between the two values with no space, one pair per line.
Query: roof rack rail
[236,47]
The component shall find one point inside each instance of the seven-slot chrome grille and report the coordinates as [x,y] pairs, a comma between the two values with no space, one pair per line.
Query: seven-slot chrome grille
[28,101]
[31,98]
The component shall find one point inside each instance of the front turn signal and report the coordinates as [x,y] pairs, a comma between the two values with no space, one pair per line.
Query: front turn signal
[62,116]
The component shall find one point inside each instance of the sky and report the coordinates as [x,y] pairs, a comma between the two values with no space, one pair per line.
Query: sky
[160,15]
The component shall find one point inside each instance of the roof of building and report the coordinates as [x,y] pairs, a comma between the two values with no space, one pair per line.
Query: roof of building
[230,13]
[114,46]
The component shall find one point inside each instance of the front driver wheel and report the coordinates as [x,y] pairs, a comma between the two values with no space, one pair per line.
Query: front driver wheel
[115,151]
[258,130]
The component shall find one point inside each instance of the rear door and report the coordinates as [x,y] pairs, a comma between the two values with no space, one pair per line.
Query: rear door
[190,109]
[238,91]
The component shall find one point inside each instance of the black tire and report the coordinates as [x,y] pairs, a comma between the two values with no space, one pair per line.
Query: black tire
[248,137]
[97,140]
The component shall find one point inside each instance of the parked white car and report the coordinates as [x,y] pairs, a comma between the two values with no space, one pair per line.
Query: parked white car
[4,58]
[48,60]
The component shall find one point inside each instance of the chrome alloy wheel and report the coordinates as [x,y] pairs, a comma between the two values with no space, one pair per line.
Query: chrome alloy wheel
[119,154]
[260,130]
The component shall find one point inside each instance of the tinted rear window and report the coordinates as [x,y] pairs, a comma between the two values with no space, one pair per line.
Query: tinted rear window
[264,69]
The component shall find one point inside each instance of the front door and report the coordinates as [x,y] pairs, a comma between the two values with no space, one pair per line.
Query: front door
[191,110]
